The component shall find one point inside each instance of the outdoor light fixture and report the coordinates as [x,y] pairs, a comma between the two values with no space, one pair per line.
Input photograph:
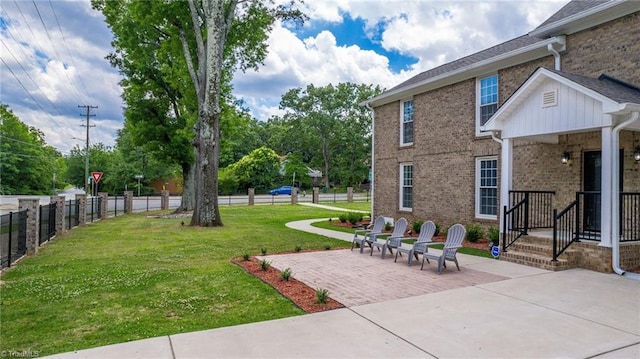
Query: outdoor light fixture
[566,156]
[636,154]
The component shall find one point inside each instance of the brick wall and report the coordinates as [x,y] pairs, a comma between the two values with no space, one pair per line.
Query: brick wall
[445,145]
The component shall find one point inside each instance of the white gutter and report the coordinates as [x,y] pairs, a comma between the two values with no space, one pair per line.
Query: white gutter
[615,215]
[511,58]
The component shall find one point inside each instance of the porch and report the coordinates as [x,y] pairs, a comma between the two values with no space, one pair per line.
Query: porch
[577,135]
[536,233]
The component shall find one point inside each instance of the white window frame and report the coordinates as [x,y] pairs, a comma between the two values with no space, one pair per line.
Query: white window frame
[478,187]
[401,186]
[479,132]
[402,122]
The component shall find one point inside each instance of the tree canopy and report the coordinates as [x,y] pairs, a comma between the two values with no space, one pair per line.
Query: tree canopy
[27,164]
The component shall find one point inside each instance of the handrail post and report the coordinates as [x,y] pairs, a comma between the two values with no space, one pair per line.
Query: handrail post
[576,234]
[526,213]
[504,229]
[555,235]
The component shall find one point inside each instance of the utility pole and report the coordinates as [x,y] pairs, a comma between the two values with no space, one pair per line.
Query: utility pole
[86,153]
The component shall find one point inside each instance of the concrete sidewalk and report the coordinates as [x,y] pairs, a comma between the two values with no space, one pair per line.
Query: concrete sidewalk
[490,309]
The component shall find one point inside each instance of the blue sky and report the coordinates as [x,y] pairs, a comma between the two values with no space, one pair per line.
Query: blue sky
[53,54]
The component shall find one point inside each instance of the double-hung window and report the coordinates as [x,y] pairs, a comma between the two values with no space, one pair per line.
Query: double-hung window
[406,186]
[406,123]
[487,100]
[487,187]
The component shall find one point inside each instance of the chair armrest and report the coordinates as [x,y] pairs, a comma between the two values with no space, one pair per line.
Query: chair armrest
[362,231]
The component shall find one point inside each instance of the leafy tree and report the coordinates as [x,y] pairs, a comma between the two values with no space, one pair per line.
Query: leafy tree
[331,123]
[215,38]
[260,169]
[27,164]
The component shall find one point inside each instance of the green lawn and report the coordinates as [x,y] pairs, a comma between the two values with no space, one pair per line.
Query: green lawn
[134,277]
[359,206]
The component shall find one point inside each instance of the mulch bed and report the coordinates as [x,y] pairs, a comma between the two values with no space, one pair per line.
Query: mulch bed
[299,293]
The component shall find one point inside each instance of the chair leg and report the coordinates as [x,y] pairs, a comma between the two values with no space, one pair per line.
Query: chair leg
[441,264]
[423,258]
[456,260]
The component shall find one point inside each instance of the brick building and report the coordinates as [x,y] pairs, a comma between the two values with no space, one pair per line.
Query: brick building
[502,137]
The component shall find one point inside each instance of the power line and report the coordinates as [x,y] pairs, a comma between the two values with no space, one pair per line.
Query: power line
[64,41]
[30,95]
[86,156]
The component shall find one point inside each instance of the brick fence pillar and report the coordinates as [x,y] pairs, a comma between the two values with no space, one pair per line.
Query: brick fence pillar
[59,201]
[349,194]
[164,199]
[33,222]
[316,195]
[103,211]
[128,202]
[294,195]
[81,200]
[252,196]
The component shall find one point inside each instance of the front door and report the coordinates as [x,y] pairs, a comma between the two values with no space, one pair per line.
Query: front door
[592,176]
[592,180]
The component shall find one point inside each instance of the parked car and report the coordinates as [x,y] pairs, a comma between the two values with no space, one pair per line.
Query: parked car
[282,190]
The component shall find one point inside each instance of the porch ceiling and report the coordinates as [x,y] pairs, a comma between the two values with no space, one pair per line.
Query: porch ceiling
[550,103]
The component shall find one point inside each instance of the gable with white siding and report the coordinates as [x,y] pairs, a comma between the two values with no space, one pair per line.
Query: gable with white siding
[549,103]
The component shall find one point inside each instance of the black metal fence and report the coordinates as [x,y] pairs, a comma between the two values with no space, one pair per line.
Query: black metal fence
[71,217]
[13,237]
[47,222]
[566,227]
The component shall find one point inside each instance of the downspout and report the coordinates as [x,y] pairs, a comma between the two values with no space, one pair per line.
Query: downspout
[494,137]
[562,42]
[615,216]
[373,155]
[556,56]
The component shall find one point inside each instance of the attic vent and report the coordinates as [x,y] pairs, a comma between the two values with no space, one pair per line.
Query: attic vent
[550,98]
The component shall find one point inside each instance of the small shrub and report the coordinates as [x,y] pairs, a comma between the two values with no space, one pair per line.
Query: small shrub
[474,232]
[245,257]
[387,226]
[327,246]
[286,274]
[264,264]
[322,295]
[263,251]
[298,248]
[494,235]
[354,217]
[342,218]
[437,229]
[416,225]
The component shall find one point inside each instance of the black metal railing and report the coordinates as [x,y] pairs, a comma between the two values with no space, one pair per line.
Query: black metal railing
[47,222]
[539,208]
[13,237]
[565,227]
[629,216]
[513,224]
[530,210]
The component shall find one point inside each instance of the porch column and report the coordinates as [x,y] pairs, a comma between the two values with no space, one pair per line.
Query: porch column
[609,184]
[506,176]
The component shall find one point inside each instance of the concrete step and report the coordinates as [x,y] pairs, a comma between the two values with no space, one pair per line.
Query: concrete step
[537,260]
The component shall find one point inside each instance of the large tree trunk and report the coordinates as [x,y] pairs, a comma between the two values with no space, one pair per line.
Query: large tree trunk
[187,202]
[217,19]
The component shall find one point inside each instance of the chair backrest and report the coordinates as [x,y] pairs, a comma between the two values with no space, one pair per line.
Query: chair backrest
[427,230]
[455,236]
[399,228]
[378,225]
